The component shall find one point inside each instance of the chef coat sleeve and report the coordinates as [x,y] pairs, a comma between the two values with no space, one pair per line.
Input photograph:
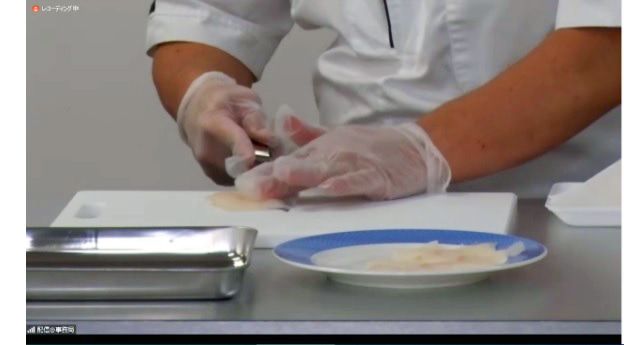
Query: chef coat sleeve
[588,13]
[249,30]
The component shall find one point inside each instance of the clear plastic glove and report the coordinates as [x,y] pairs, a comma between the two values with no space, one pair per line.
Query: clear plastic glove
[379,162]
[218,120]
[292,132]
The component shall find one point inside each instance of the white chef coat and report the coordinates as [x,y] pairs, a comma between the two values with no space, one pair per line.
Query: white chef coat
[441,50]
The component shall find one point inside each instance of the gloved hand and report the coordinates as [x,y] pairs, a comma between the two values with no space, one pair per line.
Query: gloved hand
[379,162]
[218,119]
[292,132]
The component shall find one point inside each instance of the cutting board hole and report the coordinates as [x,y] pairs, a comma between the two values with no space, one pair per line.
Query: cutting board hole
[90,210]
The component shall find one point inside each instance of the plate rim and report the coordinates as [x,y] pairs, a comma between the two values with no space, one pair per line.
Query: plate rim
[332,270]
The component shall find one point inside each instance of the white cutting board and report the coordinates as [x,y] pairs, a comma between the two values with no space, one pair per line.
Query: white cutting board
[489,212]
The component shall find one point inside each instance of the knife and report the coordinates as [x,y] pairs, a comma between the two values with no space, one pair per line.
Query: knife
[262,153]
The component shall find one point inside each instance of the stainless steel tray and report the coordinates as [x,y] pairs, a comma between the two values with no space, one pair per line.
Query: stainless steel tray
[136,263]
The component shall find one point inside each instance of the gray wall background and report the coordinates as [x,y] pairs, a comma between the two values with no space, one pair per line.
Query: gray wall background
[94,120]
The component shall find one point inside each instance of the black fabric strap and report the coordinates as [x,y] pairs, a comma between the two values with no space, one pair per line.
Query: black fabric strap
[152,7]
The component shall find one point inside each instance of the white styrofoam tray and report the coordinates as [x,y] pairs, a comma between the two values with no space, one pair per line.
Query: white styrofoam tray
[488,212]
[582,216]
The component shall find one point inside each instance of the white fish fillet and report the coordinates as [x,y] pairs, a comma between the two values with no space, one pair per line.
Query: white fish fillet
[431,257]
[237,202]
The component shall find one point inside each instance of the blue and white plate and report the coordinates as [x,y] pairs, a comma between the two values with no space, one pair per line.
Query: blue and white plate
[344,255]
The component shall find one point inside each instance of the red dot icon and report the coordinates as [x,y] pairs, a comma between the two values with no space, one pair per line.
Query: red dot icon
[36,8]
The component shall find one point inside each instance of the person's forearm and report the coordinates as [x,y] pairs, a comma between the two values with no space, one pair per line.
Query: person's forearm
[177,64]
[561,87]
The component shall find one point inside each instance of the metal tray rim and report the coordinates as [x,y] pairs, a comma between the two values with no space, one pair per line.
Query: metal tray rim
[123,269]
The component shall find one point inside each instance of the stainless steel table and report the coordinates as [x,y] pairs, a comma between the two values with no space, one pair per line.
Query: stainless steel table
[575,289]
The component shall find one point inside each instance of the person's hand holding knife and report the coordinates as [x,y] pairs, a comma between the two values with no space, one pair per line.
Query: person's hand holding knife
[220,120]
